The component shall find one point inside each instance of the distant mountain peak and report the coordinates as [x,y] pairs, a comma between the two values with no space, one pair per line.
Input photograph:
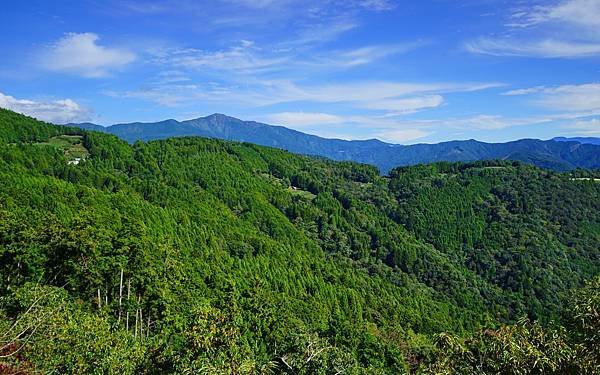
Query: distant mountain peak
[219,116]
[215,118]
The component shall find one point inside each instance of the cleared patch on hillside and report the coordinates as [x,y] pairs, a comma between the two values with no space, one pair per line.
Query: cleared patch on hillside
[71,145]
[301,193]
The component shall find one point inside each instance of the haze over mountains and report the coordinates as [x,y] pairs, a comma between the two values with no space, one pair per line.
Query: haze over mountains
[585,140]
[558,154]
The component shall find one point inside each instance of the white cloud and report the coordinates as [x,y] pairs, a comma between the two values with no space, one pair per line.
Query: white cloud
[316,33]
[589,127]
[363,91]
[408,131]
[351,127]
[564,29]
[584,97]
[392,98]
[547,48]
[498,122]
[572,98]
[402,135]
[487,122]
[167,94]
[171,77]
[244,58]
[383,95]
[247,58]
[303,119]
[378,5]
[530,90]
[310,22]
[363,56]
[80,54]
[580,13]
[477,122]
[405,105]
[56,111]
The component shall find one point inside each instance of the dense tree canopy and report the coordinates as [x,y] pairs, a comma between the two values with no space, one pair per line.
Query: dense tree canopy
[192,255]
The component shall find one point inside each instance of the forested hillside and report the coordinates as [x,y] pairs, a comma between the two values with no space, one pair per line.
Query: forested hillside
[193,255]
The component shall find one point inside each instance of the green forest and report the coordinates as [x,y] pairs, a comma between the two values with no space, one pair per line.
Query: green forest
[200,256]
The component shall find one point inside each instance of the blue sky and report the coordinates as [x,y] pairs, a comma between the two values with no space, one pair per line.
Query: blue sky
[400,71]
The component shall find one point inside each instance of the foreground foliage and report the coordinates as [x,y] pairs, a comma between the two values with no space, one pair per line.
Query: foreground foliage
[528,347]
[202,256]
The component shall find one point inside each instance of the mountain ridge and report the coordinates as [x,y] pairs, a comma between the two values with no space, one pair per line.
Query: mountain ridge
[559,155]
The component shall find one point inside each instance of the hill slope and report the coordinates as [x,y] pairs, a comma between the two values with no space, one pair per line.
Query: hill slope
[194,255]
[556,155]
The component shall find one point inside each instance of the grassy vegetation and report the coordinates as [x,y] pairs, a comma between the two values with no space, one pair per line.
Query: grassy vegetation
[71,145]
[301,193]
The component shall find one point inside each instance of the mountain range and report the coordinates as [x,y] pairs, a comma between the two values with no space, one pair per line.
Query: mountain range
[559,153]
